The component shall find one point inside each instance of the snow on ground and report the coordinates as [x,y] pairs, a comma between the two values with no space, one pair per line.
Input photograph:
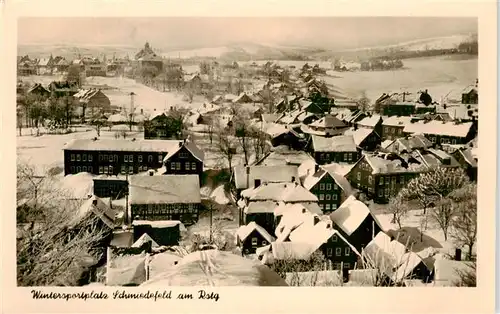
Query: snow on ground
[440,75]
[215,52]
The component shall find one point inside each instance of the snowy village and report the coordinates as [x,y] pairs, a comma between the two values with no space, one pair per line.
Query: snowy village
[268,166]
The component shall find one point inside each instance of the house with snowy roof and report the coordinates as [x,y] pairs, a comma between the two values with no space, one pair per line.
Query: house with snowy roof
[245,177]
[243,98]
[282,155]
[395,260]
[468,160]
[442,132]
[408,144]
[285,135]
[392,127]
[341,148]
[327,126]
[258,204]
[93,100]
[38,90]
[356,222]
[165,197]
[331,188]
[95,207]
[381,176]
[325,238]
[252,236]
[364,138]
[116,156]
[158,232]
[372,121]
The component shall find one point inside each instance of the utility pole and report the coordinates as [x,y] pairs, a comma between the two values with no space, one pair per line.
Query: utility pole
[126,202]
[211,210]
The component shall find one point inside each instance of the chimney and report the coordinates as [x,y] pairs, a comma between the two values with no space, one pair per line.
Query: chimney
[256,183]
[316,168]
[458,254]
[316,220]
[293,179]
[181,143]
[151,172]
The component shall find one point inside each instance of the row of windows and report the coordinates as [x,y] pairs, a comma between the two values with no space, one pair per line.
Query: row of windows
[396,131]
[187,166]
[327,197]
[80,169]
[328,186]
[347,156]
[159,209]
[443,140]
[83,157]
[386,192]
[185,218]
[111,158]
[326,207]
[338,251]
[383,180]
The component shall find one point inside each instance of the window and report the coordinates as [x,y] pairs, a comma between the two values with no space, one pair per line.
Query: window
[131,158]
[329,252]
[381,181]
[327,206]
[111,158]
[105,157]
[402,180]
[334,206]
[337,265]
[338,251]
[322,156]
[334,197]
[327,157]
[139,158]
[346,156]
[125,158]
[393,180]
[72,157]
[358,176]
[90,157]
[90,169]
[386,192]
[101,169]
[187,164]
[321,197]
[370,179]
[328,186]
[453,141]
[110,169]
[84,169]
[172,166]
[178,165]
[123,169]
[160,158]
[131,170]
[116,158]
[84,157]
[321,186]
[78,157]
[334,238]
[183,155]
[347,251]
[150,158]
[72,169]
[264,242]
[347,265]
[380,193]
[335,187]
[193,166]
[328,197]
[254,241]
[322,206]
[106,169]
[433,139]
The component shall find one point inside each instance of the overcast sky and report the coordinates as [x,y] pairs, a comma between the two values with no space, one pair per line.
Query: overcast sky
[165,33]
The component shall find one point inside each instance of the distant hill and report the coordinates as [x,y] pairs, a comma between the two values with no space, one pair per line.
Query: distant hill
[266,51]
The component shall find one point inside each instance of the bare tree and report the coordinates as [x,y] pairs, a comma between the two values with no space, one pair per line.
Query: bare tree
[243,132]
[53,249]
[364,102]
[464,224]
[467,277]
[399,210]
[294,267]
[226,145]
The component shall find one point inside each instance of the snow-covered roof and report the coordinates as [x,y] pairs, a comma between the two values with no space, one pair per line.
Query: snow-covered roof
[126,270]
[190,146]
[382,165]
[123,145]
[409,143]
[165,189]
[359,135]
[385,254]
[280,173]
[243,98]
[284,156]
[79,185]
[284,208]
[341,143]
[397,121]
[160,224]
[341,169]
[328,122]
[286,192]
[96,206]
[260,207]
[270,117]
[144,239]
[216,268]
[370,121]
[439,128]
[314,177]
[350,215]
[447,272]
[118,117]
[291,250]
[85,95]
[244,231]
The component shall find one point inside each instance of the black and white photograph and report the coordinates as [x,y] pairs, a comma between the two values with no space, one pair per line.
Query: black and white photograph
[259,151]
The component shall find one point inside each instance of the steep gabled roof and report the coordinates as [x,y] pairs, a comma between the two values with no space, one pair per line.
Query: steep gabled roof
[244,231]
[281,173]
[164,189]
[341,143]
[328,122]
[359,135]
[286,192]
[351,214]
